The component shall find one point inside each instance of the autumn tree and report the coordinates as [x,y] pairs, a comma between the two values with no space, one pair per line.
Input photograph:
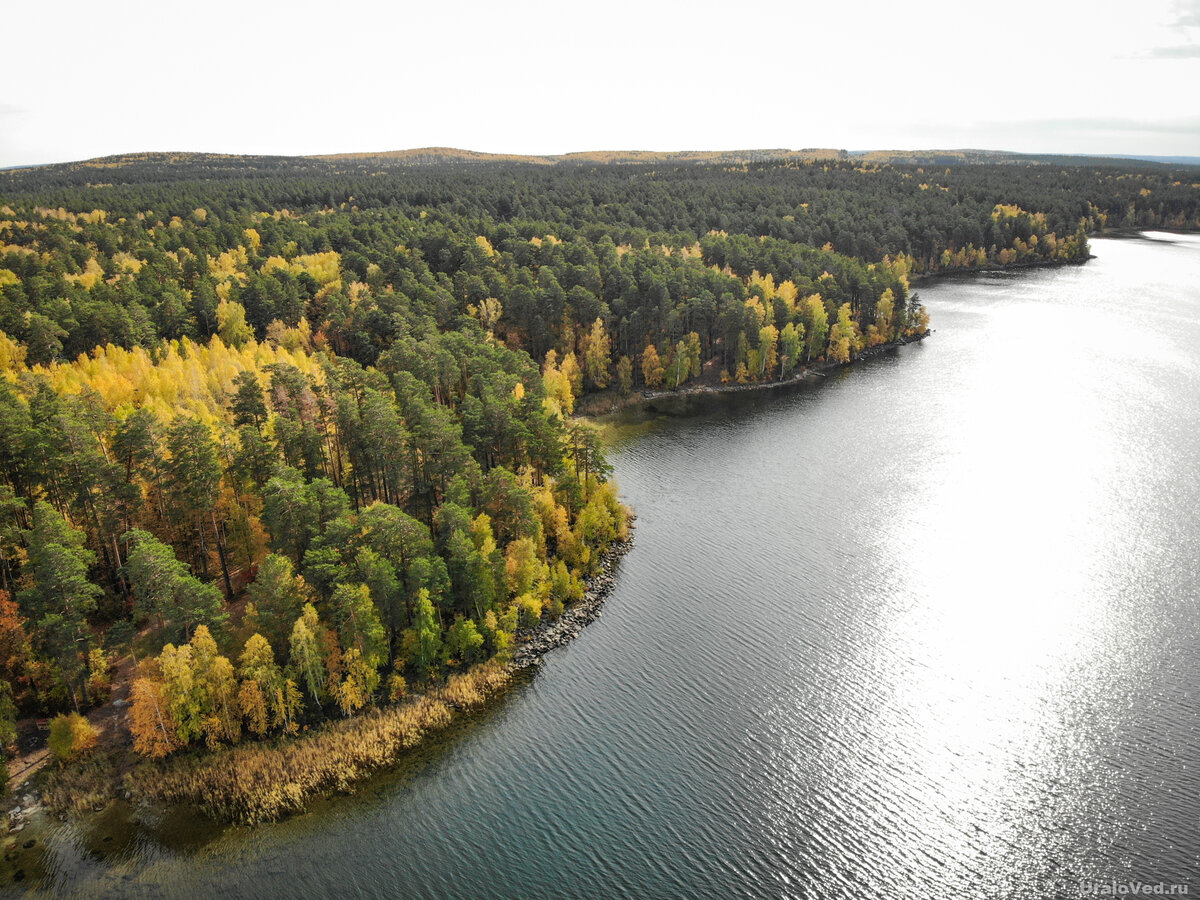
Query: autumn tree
[843,337]
[15,649]
[574,375]
[231,324]
[768,349]
[884,310]
[790,341]
[816,325]
[558,384]
[183,700]
[155,733]
[359,683]
[652,367]
[625,374]
[597,349]
[266,697]
[215,684]
[306,656]
[70,735]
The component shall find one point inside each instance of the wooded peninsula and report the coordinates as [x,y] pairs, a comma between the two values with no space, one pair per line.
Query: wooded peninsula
[288,460]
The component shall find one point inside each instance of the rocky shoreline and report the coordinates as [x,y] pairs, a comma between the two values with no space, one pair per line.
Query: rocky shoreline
[534,643]
[19,816]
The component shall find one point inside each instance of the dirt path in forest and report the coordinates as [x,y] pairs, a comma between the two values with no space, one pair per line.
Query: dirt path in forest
[111,722]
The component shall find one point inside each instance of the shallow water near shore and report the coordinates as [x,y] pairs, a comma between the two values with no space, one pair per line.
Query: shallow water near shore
[927,628]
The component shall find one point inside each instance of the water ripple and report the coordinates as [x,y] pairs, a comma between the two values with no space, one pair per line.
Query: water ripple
[928,630]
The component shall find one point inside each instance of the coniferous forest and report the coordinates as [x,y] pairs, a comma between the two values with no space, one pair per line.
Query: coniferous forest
[287,444]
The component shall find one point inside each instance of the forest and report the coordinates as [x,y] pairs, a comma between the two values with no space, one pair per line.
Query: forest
[295,436]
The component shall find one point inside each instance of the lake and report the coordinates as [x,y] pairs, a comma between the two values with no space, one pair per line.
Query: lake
[929,627]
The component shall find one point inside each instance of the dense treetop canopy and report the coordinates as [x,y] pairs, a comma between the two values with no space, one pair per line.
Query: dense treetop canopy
[303,425]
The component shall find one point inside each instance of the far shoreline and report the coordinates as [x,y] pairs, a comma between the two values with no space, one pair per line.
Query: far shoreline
[603,405]
[609,403]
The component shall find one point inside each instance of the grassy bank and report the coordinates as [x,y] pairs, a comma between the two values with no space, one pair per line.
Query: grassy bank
[261,783]
[254,783]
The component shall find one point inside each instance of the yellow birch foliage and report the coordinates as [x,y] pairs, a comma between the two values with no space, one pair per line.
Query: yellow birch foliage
[884,311]
[787,292]
[766,283]
[253,706]
[153,729]
[652,368]
[355,690]
[597,349]
[232,326]
[570,368]
[755,306]
[12,356]
[89,276]
[324,268]
[768,348]
[844,338]
[558,385]
[188,377]
[230,265]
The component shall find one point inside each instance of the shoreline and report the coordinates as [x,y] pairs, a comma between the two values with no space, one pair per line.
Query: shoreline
[606,406]
[534,643]
[437,708]
[996,269]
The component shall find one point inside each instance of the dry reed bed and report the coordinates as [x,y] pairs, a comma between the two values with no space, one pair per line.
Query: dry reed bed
[261,783]
[85,785]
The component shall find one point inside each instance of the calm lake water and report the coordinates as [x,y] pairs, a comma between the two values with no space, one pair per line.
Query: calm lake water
[929,628]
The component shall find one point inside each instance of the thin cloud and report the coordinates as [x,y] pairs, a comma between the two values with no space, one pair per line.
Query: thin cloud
[1163,126]
[1187,14]
[1084,135]
[1083,124]
[1181,51]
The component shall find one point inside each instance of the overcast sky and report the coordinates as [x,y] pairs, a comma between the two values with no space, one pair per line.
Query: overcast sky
[85,79]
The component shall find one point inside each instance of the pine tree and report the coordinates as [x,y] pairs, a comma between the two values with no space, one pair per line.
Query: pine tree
[276,599]
[59,597]
[423,640]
